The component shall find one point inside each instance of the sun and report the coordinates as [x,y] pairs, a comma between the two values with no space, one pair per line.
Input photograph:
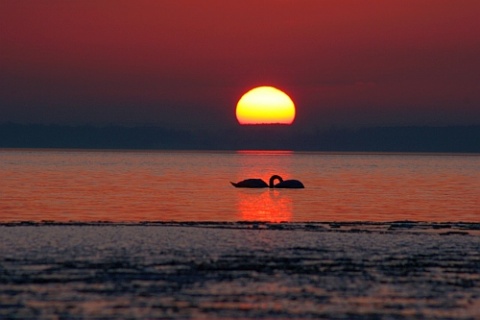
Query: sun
[265,105]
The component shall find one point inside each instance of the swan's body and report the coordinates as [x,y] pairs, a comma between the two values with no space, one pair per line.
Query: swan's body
[250,183]
[259,183]
[291,184]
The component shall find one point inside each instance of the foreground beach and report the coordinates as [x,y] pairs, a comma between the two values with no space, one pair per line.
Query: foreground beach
[152,270]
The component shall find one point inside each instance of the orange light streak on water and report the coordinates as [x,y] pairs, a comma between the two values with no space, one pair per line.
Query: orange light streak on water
[269,205]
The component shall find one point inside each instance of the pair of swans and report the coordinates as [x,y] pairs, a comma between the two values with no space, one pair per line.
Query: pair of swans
[259,183]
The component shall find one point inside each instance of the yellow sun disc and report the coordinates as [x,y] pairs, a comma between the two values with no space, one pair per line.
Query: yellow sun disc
[265,105]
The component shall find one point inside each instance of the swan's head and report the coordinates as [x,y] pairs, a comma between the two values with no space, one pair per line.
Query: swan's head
[272,180]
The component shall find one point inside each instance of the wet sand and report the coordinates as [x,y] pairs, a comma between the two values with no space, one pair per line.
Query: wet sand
[398,270]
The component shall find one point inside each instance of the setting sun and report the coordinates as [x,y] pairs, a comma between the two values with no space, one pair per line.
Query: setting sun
[265,105]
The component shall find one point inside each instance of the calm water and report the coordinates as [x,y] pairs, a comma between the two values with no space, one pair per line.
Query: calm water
[136,186]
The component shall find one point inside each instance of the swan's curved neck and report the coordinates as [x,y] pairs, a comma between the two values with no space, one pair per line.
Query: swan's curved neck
[272,180]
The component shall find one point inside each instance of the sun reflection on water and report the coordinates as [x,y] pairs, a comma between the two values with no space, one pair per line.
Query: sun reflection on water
[271,205]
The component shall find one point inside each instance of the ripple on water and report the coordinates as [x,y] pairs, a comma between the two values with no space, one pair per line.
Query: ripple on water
[231,270]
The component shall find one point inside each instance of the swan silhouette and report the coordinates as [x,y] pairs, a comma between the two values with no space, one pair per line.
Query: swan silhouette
[250,183]
[291,184]
[259,183]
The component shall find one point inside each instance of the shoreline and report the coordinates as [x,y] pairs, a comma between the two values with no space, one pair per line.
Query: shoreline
[442,228]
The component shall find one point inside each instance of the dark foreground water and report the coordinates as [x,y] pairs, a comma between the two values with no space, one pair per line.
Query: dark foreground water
[400,270]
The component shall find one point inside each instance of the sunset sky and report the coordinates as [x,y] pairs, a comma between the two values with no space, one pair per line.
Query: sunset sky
[185,63]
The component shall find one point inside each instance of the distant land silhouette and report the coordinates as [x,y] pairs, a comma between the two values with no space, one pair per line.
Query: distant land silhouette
[278,137]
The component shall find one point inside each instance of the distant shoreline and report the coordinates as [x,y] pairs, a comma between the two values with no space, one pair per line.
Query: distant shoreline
[450,139]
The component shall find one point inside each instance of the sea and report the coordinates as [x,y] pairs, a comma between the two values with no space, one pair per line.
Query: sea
[148,234]
[135,186]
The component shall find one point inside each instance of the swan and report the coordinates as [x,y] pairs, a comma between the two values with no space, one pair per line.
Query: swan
[259,183]
[292,184]
[250,183]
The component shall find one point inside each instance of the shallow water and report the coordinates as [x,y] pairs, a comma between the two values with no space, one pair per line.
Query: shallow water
[82,185]
[397,270]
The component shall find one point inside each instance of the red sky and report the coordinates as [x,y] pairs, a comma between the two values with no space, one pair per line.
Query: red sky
[186,63]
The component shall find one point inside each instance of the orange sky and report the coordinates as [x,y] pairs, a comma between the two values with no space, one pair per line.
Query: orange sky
[186,63]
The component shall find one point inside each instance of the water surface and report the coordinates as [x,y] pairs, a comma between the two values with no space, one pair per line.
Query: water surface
[82,185]
[163,235]
[240,271]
